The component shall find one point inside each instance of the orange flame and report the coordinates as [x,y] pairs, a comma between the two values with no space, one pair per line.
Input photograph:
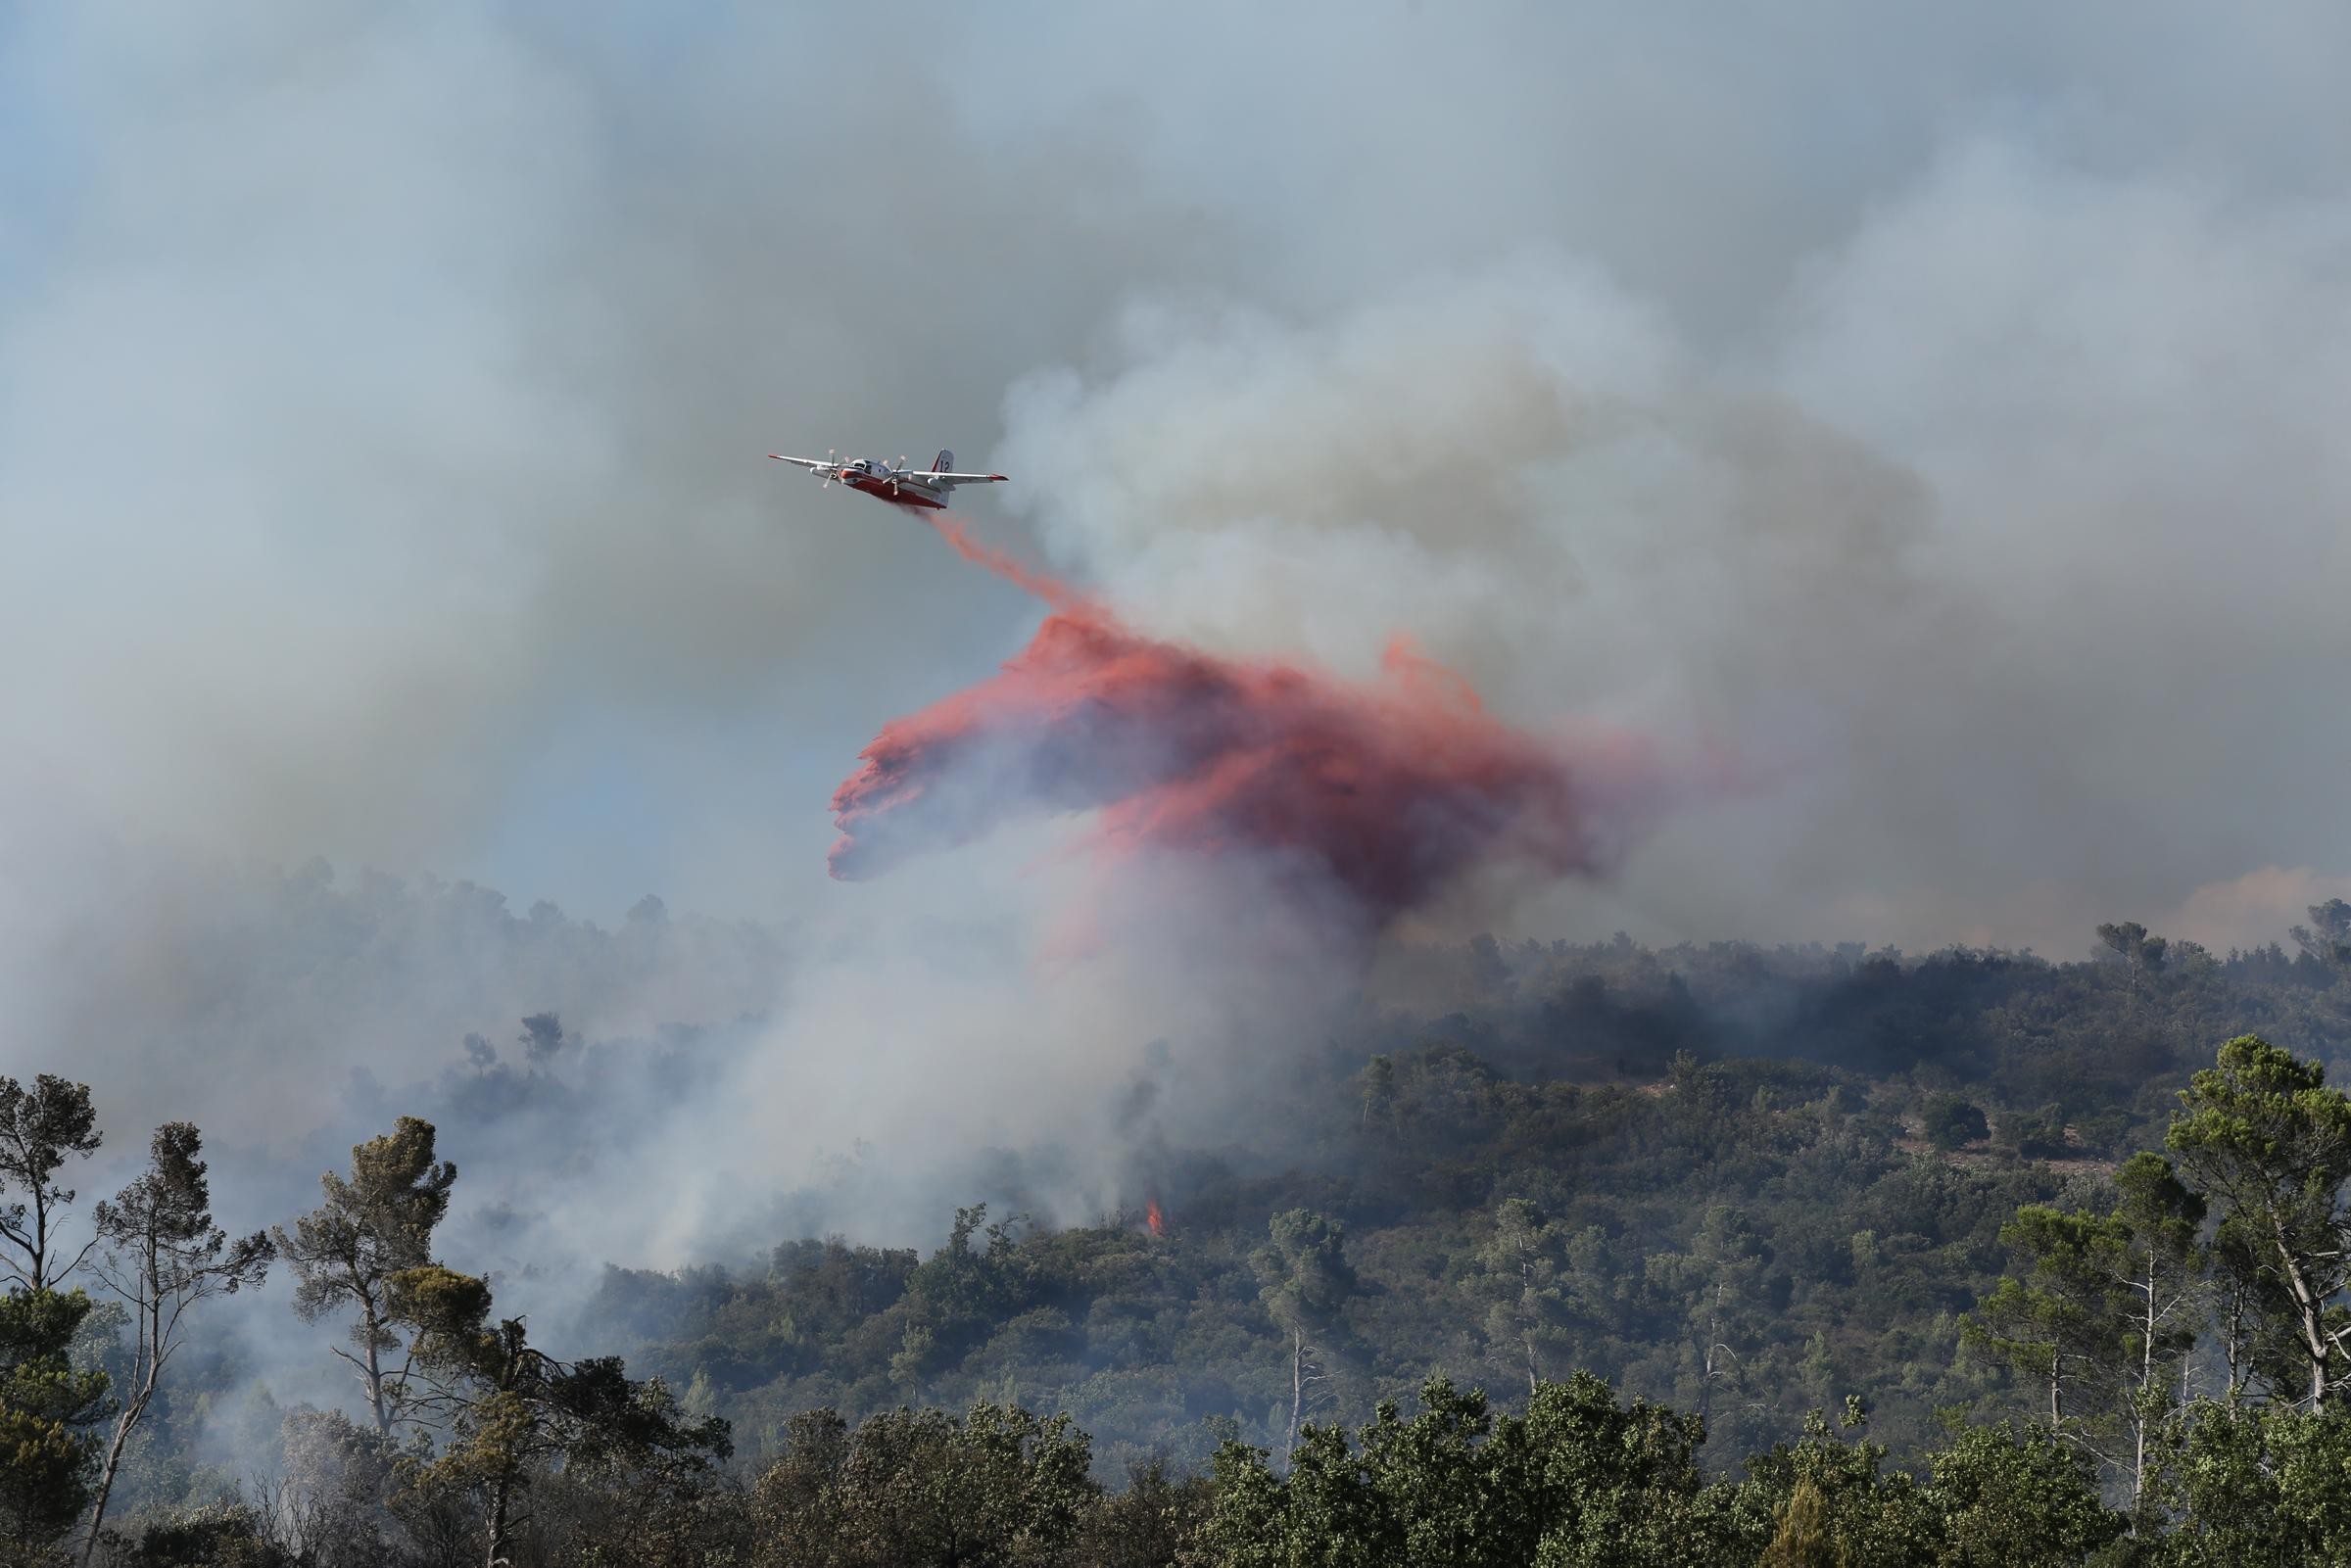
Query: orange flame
[1154,1218]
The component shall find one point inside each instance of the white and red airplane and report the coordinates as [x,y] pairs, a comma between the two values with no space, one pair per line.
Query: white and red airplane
[894,483]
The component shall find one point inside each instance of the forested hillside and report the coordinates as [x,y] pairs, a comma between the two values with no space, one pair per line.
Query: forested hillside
[2062,1242]
[1747,1182]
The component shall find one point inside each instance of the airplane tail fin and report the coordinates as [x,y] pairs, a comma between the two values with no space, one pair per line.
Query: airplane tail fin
[944,462]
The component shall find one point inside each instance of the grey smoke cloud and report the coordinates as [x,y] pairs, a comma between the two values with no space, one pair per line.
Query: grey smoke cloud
[1936,411]
[1999,557]
[388,403]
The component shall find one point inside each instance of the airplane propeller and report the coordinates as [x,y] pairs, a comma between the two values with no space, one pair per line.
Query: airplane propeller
[832,470]
[895,471]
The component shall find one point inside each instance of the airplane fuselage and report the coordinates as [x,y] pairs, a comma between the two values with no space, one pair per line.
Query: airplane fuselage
[903,493]
[915,489]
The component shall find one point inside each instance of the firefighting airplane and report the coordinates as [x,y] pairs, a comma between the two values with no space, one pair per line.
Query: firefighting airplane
[894,483]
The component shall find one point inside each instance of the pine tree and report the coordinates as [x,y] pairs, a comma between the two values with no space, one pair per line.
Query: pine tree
[375,1224]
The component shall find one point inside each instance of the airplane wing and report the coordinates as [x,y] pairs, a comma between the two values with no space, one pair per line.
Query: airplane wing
[804,462]
[938,481]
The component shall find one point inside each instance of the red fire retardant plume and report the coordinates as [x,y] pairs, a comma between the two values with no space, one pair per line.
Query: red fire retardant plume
[1389,789]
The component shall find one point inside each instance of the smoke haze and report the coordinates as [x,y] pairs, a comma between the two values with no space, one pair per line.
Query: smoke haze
[1939,415]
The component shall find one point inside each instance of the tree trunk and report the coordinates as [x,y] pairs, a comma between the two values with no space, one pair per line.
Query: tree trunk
[371,1323]
[375,1378]
[1705,1379]
[1526,1300]
[149,1367]
[2139,1404]
[40,1279]
[106,1479]
[2236,1344]
[500,1495]
[1299,1383]
[2312,1312]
